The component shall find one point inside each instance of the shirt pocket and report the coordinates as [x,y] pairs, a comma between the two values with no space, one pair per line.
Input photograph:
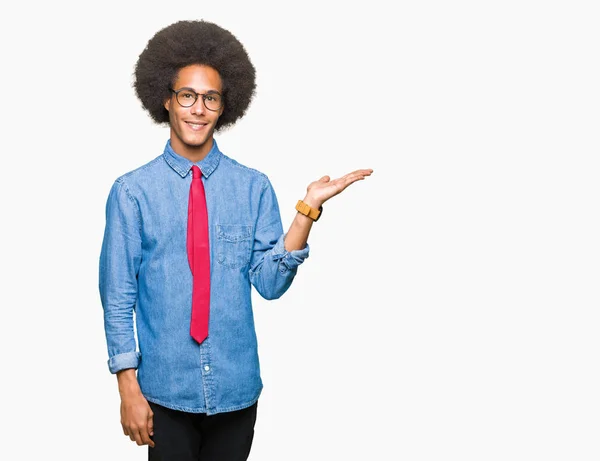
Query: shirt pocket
[233,245]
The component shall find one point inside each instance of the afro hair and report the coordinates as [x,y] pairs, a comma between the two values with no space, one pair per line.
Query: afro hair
[194,42]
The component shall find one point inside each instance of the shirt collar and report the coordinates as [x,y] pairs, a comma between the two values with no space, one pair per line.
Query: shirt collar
[183,165]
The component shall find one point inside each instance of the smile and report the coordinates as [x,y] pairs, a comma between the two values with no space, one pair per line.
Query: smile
[196,126]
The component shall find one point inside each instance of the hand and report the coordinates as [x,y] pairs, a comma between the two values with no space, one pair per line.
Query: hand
[318,192]
[136,419]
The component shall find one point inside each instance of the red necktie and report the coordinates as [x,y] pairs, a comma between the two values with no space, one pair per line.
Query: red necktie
[198,256]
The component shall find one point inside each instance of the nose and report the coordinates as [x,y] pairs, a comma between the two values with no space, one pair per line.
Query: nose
[198,107]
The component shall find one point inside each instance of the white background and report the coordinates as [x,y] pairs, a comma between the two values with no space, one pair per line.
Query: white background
[449,306]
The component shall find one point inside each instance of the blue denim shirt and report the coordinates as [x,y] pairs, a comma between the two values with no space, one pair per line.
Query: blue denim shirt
[145,279]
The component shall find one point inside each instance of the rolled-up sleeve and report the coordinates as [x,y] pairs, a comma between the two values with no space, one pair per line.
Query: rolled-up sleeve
[120,259]
[272,268]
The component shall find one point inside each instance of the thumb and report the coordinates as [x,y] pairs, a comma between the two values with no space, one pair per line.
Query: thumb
[150,424]
[325,179]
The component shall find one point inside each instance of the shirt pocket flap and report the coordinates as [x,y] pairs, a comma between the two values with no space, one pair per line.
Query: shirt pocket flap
[233,232]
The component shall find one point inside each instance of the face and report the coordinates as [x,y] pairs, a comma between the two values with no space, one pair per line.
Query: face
[192,127]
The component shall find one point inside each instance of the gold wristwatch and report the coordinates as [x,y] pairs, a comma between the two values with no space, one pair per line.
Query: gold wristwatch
[309,211]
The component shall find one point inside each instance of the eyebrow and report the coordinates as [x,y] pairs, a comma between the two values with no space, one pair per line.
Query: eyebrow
[196,91]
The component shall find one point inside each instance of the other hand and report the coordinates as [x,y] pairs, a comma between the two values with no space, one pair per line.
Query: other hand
[137,419]
[318,192]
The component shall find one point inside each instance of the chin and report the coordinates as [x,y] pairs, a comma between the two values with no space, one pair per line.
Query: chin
[196,142]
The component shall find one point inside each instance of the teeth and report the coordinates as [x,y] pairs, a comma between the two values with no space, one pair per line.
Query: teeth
[196,126]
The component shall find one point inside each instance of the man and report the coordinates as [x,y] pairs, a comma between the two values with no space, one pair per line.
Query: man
[187,235]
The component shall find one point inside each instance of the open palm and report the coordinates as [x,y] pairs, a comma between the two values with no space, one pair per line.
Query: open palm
[323,189]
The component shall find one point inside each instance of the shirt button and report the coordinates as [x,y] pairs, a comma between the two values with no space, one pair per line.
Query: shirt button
[206,368]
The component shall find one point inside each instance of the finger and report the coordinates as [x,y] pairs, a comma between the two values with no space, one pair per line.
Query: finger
[151,429]
[347,178]
[362,174]
[362,171]
[343,184]
[151,424]
[146,440]
[137,436]
[131,434]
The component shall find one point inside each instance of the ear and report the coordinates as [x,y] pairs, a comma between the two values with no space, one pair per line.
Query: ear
[167,104]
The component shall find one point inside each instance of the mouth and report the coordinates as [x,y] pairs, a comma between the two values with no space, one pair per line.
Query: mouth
[196,126]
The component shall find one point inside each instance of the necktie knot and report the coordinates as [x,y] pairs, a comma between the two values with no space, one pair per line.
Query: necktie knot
[196,173]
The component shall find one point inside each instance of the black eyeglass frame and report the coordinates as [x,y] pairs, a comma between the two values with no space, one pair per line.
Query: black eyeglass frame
[204,96]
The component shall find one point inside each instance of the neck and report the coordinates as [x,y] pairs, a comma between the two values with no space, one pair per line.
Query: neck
[192,153]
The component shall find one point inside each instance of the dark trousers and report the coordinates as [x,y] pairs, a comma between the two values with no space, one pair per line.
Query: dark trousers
[181,436]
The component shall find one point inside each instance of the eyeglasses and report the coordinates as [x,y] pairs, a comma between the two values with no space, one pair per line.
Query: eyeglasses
[186,97]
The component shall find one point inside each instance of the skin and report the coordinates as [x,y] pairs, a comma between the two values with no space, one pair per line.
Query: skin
[187,141]
[194,144]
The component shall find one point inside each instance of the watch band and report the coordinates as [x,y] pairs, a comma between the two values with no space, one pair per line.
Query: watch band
[309,211]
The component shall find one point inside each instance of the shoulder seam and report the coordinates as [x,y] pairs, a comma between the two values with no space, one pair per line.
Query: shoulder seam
[240,165]
[142,167]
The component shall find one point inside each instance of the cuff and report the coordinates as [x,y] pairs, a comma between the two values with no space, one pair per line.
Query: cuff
[291,259]
[122,361]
